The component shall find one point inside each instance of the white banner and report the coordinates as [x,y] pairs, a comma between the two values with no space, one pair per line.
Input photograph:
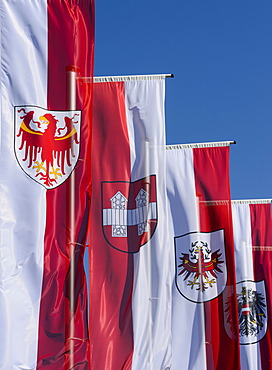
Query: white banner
[202,255]
[252,222]
[129,246]
[23,201]
[39,150]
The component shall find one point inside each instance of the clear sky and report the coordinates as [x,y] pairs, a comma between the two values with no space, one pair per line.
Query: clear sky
[220,52]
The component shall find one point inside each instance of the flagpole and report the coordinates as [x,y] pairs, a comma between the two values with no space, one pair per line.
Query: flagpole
[201,304]
[97,79]
[251,201]
[233,201]
[201,145]
[149,261]
[71,73]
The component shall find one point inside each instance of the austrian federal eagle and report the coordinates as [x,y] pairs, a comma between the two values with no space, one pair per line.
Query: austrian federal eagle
[251,311]
[50,142]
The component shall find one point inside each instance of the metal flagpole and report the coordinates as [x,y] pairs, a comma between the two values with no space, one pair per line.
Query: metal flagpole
[71,73]
[251,201]
[201,304]
[125,78]
[149,261]
[200,145]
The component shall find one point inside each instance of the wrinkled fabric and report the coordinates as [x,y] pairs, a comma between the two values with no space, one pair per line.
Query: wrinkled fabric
[129,249]
[252,226]
[43,228]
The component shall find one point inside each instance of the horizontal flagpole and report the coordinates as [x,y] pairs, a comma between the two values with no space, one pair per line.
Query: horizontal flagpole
[233,201]
[200,145]
[125,78]
[251,201]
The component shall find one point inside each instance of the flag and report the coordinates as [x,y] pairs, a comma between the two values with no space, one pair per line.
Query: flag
[44,183]
[202,269]
[129,277]
[252,224]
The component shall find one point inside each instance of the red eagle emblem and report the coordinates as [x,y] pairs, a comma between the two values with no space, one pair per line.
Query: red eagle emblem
[202,264]
[201,269]
[47,147]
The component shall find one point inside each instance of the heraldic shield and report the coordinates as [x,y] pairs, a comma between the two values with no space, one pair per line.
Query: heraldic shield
[252,311]
[129,216]
[47,143]
[201,272]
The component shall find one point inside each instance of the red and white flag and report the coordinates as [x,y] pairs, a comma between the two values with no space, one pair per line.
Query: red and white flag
[203,272]
[130,307]
[252,224]
[44,146]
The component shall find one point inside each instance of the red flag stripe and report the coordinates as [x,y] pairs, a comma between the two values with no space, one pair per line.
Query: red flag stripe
[212,184]
[70,42]
[261,235]
[111,331]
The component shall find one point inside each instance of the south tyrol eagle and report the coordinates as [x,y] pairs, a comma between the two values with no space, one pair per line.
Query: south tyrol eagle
[44,139]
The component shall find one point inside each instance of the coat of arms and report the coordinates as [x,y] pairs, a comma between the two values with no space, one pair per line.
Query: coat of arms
[252,311]
[129,213]
[201,273]
[47,143]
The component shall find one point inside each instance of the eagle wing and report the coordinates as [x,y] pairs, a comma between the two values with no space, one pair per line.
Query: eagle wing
[32,141]
[213,266]
[63,146]
[187,266]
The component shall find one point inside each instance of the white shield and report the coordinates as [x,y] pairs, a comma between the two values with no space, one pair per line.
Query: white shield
[252,311]
[47,143]
[201,272]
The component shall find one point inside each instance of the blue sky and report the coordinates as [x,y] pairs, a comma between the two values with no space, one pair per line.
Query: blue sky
[221,55]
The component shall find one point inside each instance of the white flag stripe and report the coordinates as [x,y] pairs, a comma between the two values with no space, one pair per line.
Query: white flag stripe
[189,350]
[151,293]
[250,354]
[21,268]
[242,242]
